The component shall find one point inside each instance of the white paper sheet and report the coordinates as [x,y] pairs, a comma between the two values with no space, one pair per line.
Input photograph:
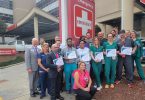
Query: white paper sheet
[111,52]
[58,61]
[85,57]
[99,56]
[71,55]
[126,50]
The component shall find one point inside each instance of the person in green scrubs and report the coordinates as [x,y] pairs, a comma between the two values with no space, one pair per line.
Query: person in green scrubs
[96,63]
[137,57]
[110,62]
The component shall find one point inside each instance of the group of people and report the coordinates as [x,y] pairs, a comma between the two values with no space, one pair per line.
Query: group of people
[84,66]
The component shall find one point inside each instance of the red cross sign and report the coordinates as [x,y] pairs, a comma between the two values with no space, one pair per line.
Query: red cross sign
[83,21]
[81,18]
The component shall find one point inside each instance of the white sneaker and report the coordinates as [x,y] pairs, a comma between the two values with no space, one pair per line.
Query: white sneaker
[99,88]
[95,86]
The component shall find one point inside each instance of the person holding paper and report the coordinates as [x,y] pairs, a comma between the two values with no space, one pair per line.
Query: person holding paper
[43,69]
[102,40]
[97,61]
[137,57]
[84,54]
[70,64]
[125,59]
[110,61]
[53,74]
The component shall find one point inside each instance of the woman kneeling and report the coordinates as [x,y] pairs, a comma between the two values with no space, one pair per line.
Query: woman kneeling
[82,84]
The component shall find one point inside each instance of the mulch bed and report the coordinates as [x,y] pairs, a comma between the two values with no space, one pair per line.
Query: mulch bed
[123,92]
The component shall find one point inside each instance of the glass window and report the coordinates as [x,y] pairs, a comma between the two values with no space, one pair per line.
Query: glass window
[19,42]
[11,43]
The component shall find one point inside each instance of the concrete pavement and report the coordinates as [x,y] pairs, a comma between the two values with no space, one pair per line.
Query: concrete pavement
[14,84]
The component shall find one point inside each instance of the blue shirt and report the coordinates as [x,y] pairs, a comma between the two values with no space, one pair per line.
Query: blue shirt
[43,58]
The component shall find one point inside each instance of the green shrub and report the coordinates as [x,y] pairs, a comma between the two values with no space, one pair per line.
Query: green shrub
[18,59]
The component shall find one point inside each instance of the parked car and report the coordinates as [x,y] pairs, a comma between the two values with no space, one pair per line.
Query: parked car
[19,45]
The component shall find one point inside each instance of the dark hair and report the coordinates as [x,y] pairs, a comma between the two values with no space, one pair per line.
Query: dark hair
[122,32]
[69,39]
[82,41]
[82,38]
[87,33]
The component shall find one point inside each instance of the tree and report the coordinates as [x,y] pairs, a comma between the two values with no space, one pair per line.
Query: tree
[3,27]
[97,29]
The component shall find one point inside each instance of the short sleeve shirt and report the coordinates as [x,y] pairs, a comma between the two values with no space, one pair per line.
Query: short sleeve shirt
[43,58]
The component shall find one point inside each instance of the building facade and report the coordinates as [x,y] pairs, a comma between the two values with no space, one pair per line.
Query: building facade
[124,14]
[50,6]
[6,11]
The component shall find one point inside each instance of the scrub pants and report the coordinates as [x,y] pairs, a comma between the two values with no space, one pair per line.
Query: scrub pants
[110,70]
[139,68]
[128,66]
[68,70]
[43,78]
[97,67]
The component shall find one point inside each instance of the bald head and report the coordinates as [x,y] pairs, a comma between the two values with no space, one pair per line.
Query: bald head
[54,47]
[34,41]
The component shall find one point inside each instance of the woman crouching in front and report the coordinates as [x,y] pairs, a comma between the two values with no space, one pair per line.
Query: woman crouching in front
[82,83]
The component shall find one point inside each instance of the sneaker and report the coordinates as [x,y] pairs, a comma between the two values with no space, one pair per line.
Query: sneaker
[99,88]
[106,86]
[95,85]
[117,82]
[112,86]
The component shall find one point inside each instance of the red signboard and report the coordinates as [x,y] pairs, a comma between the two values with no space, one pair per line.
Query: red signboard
[11,27]
[142,1]
[7,51]
[81,18]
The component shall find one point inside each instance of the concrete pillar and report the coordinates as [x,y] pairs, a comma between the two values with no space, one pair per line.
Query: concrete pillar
[64,22]
[127,14]
[3,39]
[36,27]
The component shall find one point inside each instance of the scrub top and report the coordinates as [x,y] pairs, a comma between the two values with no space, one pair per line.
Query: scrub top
[43,58]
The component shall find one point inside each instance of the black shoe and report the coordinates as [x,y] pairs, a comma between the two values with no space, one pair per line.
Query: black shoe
[33,95]
[41,97]
[36,93]
[60,98]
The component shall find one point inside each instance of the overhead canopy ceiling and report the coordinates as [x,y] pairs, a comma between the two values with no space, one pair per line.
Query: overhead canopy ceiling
[25,28]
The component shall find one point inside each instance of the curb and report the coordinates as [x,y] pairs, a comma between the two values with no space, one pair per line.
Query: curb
[11,65]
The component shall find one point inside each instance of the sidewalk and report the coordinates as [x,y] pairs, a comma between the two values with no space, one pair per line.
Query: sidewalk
[14,84]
